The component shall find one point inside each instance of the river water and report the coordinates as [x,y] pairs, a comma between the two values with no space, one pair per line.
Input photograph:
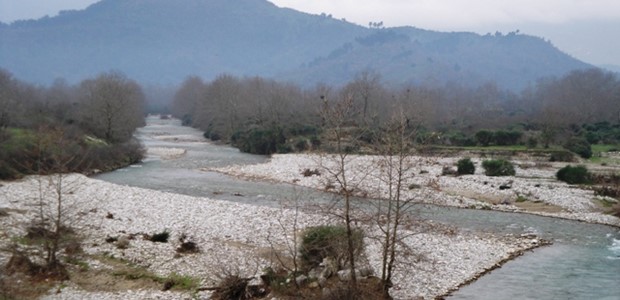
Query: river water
[583,262]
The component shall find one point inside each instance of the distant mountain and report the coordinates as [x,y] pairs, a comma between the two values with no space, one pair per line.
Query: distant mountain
[406,54]
[162,41]
[613,68]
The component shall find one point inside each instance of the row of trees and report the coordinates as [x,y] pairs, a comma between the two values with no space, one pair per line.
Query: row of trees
[231,108]
[94,120]
[109,106]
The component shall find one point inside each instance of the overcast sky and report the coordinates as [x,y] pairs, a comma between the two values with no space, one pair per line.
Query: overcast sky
[587,29]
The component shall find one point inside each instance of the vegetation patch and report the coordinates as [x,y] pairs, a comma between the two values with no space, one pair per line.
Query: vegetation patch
[233,287]
[579,146]
[161,237]
[574,175]
[318,243]
[187,245]
[465,166]
[521,199]
[608,191]
[498,167]
[562,156]
[179,282]
[309,172]
[606,202]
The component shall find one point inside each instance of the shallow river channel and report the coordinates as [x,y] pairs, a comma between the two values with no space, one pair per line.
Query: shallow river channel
[582,263]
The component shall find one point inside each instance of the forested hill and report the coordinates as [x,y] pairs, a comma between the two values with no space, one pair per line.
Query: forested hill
[162,41]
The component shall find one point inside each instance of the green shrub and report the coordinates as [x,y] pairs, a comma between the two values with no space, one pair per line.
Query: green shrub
[579,146]
[175,281]
[161,237]
[301,145]
[592,137]
[498,167]
[261,141]
[484,137]
[232,287]
[532,142]
[21,154]
[465,166]
[320,242]
[506,138]
[299,129]
[458,138]
[284,148]
[573,175]
[315,141]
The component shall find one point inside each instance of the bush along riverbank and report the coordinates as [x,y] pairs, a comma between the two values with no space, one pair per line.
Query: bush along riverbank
[57,150]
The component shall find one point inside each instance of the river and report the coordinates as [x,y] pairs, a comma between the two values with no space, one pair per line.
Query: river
[583,262]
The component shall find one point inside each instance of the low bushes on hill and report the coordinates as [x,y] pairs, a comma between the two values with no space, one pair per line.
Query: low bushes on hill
[574,175]
[498,167]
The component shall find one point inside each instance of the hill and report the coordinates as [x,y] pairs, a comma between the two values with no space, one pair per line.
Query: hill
[407,54]
[162,42]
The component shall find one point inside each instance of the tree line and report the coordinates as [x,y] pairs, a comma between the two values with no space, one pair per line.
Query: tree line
[264,116]
[88,126]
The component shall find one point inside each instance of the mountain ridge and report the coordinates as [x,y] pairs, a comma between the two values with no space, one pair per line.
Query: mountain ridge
[159,41]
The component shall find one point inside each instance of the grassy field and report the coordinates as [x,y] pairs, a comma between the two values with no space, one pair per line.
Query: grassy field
[599,154]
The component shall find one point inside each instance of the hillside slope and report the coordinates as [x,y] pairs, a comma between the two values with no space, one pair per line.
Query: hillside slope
[162,42]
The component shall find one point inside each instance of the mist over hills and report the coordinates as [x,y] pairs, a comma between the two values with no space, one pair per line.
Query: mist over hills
[163,42]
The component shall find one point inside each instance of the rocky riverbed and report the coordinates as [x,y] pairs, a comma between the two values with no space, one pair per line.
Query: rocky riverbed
[232,237]
[534,189]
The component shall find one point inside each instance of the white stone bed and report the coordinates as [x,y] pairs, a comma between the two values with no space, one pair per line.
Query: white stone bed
[231,236]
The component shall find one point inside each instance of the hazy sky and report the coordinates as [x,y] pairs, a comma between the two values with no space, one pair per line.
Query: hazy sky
[587,29]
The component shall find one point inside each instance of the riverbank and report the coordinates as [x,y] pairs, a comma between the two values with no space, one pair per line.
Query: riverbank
[533,190]
[232,238]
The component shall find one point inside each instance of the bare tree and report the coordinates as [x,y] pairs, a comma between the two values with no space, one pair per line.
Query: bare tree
[365,89]
[288,258]
[8,99]
[339,119]
[186,99]
[220,107]
[52,226]
[112,106]
[395,146]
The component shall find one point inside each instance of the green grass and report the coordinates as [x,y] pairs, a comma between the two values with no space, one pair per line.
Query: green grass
[84,266]
[597,158]
[488,148]
[18,140]
[606,203]
[174,281]
[604,147]
[182,282]
[522,199]
[519,148]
